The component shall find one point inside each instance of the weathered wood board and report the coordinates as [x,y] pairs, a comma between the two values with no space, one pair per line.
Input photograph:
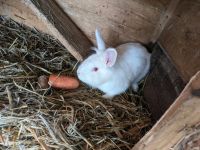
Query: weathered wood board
[181,38]
[20,12]
[164,19]
[62,27]
[163,84]
[120,20]
[181,121]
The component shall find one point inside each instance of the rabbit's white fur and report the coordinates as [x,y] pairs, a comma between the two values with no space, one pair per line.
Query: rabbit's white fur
[113,70]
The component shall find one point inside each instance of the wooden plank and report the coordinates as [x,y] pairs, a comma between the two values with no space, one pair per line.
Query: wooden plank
[181,38]
[181,121]
[120,21]
[20,12]
[163,84]
[62,27]
[164,20]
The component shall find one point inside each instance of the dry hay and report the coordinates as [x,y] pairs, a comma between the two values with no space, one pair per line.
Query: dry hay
[35,118]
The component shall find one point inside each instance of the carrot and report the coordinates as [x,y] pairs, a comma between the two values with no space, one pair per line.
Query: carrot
[63,82]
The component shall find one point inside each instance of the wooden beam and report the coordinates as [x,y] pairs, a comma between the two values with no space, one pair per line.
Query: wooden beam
[178,125]
[62,27]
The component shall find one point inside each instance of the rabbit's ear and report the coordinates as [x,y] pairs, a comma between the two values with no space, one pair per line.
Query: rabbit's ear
[100,43]
[110,56]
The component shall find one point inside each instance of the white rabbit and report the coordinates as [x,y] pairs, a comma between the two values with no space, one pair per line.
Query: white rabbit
[113,70]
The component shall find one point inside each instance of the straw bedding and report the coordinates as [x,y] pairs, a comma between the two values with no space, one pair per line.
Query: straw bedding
[33,118]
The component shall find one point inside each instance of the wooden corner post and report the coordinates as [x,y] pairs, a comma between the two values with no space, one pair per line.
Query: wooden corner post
[62,27]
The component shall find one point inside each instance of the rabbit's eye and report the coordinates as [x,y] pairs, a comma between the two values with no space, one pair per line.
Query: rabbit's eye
[95,69]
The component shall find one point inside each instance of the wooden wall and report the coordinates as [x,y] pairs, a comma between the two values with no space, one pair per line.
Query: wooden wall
[180,58]
[181,38]
[129,20]
[163,84]
[179,127]
[119,20]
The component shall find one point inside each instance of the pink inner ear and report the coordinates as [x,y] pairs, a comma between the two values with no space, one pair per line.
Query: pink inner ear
[110,57]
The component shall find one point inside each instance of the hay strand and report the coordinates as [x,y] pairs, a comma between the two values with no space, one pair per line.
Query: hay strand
[35,118]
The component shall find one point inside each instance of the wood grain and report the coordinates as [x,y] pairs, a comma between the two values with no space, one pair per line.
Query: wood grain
[164,20]
[120,21]
[181,38]
[181,120]
[163,84]
[67,32]
[20,12]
